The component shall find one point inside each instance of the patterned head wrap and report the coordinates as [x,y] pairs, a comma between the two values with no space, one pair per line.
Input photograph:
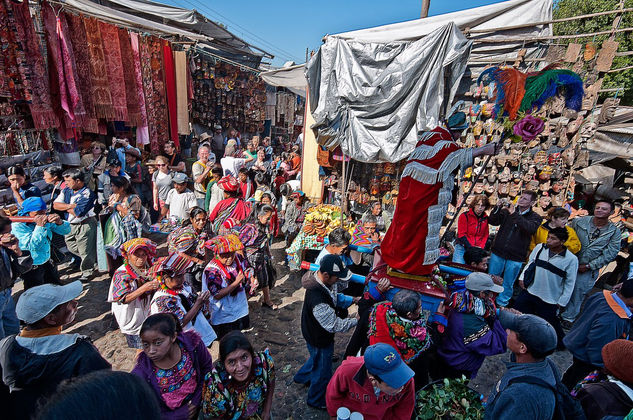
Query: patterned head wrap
[182,239]
[174,263]
[229,183]
[225,244]
[133,245]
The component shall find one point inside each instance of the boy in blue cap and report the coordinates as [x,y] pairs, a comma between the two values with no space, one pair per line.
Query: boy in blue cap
[378,385]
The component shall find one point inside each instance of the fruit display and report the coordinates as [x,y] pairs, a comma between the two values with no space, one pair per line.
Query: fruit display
[322,219]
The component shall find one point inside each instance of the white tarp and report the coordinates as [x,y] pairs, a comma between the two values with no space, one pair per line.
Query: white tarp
[292,78]
[374,98]
[498,15]
[125,19]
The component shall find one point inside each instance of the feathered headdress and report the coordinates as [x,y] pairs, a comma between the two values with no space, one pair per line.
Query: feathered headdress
[521,92]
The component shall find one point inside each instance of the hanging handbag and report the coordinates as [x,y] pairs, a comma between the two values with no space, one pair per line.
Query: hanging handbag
[530,270]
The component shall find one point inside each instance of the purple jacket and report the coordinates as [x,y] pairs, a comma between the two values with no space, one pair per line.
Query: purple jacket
[468,339]
[202,363]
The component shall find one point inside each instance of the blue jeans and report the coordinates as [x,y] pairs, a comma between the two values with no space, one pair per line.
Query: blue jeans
[510,270]
[458,254]
[9,323]
[318,372]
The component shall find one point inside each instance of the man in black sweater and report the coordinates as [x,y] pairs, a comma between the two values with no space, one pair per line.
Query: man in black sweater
[517,223]
[319,323]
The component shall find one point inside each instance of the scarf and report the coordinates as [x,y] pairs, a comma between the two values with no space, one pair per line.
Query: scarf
[14,72]
[155,101]
[360,237]
[99,85]
[410,338]
[467,303]
[41,332]
[79,41]
[182,102]
[114,65]
[41,108]
[131,97]
[225,214]
[170,87]
[60,49]
[142,131]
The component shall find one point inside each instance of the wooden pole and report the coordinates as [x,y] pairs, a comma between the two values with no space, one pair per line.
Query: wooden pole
[425,8]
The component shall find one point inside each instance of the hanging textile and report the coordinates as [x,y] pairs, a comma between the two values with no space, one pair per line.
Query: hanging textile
[99,76]
[14,73]
[63,64]
[170,87]
[41,109]
[78,40]
[133,109]
[154,86]
[180,63]
[114,65]
[142,131]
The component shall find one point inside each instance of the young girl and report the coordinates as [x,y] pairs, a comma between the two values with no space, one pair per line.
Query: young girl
[174,363]
[131,288]
[176,297]
[242,383]
[255,235]
[225,279]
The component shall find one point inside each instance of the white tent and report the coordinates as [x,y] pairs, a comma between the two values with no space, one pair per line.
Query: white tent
[292,78]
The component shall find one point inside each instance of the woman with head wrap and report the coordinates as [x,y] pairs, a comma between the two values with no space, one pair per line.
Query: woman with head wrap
[226,278]
[176,297]
[233,206]
[188,242]
[255,235]
[131,288]
[35,237]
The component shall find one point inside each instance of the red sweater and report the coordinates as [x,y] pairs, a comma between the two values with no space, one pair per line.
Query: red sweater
[350,387]
[474,228]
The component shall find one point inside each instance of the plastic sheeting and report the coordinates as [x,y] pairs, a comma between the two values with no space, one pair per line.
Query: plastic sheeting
[374,98]
[292,78]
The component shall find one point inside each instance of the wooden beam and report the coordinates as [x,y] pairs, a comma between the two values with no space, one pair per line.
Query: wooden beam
[547,22]
[552,37]
[425,8]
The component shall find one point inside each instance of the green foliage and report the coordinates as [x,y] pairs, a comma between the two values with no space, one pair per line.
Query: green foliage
[570,8]
[451,399]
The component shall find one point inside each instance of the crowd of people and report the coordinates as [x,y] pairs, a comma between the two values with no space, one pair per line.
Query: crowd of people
[187,245]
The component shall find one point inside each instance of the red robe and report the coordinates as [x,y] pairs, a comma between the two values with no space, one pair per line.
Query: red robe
[412,243]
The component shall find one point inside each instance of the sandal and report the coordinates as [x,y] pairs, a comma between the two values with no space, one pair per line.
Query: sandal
[272,307]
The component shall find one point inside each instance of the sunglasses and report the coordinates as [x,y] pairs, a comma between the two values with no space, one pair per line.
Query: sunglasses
[160,165]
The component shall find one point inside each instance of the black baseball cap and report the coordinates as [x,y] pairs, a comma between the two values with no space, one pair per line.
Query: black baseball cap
[333,265]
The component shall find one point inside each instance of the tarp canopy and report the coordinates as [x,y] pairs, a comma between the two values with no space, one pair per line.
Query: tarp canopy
[373,98]
[292,78]
[482,25]
[175,20]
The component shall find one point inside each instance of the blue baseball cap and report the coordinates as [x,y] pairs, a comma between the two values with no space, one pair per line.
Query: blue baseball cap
[385,362]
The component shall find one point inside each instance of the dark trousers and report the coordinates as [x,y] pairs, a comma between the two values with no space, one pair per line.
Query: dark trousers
[439,369]
[420,365]
[577,372]
[40,274]
[223,329]
[527,303]
[317,372]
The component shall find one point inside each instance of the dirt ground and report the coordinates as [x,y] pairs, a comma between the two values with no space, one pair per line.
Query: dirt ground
[279,330]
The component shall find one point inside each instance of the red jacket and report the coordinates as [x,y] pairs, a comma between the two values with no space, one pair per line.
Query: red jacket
[350,387]
[473,228]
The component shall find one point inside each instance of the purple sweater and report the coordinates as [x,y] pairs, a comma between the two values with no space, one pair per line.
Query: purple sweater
[203,364]
[468,339]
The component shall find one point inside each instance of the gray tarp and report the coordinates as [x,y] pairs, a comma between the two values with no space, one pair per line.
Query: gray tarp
[373,98]
[292,78]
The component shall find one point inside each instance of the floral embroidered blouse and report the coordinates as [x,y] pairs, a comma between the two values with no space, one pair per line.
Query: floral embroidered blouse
[179,382]
[221,398]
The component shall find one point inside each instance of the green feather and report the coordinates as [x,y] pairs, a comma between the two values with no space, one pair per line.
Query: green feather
[539,84]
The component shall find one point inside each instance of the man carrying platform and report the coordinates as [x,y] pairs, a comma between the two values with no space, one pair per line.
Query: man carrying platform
[412,243]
